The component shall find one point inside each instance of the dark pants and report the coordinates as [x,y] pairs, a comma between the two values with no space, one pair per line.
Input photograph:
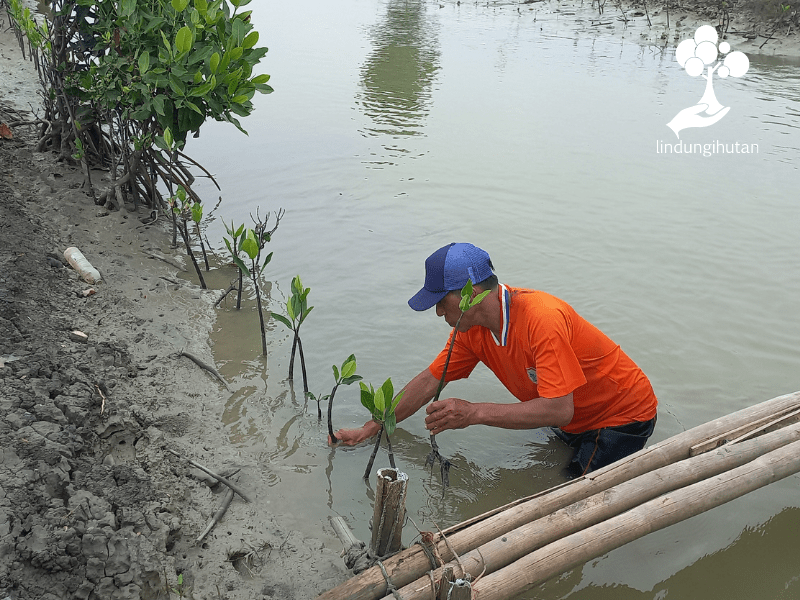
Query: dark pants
[600,447]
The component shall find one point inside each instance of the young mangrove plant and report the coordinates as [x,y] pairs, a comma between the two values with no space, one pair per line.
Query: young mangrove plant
[183,209]
[233,244]
[252,244]
[345,376]
[297,308]
[381,404]
[467,302]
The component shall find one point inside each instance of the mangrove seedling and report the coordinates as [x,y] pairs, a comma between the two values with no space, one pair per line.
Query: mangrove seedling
[467,302]
[183,208]
[318,400]
[297,308]
[381,404]
[197,216]
[345,376]
[252,245]
[233,245]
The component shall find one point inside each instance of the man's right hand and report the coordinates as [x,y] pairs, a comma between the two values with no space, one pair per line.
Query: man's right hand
[353,437]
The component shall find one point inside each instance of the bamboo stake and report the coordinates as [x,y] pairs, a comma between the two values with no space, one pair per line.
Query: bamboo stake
[515,544]
[389,512]
[578,548]
[409,565]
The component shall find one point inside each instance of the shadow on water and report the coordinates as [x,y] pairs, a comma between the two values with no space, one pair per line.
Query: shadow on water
[397,76]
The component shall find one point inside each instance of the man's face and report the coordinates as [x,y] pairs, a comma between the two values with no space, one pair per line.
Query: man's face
[448,308]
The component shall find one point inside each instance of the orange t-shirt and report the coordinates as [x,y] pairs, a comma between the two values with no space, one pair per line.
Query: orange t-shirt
[548,350]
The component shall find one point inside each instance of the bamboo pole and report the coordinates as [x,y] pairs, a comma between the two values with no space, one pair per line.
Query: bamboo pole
[578,548]
[413,563]
[515,544]
[389,512]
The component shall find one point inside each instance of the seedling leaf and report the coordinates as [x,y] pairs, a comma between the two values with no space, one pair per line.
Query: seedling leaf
[351,379]
[282,319]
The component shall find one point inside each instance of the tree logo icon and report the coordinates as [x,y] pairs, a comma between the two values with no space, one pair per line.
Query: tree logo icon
[696,56]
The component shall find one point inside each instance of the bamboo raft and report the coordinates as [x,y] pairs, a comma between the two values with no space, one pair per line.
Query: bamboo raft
[515,547]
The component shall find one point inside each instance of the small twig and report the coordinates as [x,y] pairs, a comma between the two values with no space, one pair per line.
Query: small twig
[219,478]
[205,366]
[234,286]
[103,396]
[226,502]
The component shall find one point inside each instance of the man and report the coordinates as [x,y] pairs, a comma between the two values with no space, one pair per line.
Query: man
[567,374]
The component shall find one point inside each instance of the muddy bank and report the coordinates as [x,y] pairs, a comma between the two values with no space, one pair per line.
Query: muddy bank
[92,504]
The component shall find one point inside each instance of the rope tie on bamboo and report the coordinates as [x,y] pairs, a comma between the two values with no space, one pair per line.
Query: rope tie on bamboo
[390,589]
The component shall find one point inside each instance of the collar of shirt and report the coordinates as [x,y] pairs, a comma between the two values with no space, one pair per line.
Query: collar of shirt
[505,307]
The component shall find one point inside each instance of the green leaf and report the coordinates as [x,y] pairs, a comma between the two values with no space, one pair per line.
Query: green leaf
[183,39]
[168,137]
[167,45]
[240,99]
[195,108]
[266,262]
[388,391]
[176,85]
[214,62]
[243,267]
[282,319]
[250,247]
[367,398]
[144,62]
[349,366]
[158,104]
[351,379]
[250,40]
[390,424]
[305,313]
[396,401]
[335,373]
[259,79]
[479,298]
[197,212]
[297,285]
[202,90]
[380,401]
[179,5]
[201,6]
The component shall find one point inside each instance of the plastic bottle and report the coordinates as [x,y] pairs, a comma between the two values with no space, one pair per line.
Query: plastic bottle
[78,261]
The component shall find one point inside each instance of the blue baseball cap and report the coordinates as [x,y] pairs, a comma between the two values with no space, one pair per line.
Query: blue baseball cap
[448,269]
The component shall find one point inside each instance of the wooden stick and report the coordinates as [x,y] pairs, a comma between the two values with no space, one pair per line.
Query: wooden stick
[205,366]
[578,548]
[226,502]
[515,544]
[219,478]
[407,566]
[345,534]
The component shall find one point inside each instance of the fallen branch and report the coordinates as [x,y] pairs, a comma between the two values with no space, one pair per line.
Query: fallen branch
[234,286]
[205,366]
[219,478]
[226,502]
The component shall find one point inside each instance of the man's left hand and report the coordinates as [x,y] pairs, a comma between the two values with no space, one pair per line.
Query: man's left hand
[449,413]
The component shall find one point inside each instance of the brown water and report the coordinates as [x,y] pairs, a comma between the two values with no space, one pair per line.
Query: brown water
[399,126]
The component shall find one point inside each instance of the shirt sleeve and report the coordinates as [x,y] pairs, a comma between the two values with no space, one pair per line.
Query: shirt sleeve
[558,369]
[462,361]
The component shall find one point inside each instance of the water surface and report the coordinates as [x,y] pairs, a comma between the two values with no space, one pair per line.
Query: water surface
[399,126]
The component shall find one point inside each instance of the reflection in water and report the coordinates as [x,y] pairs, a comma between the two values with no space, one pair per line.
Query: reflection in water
[397,76]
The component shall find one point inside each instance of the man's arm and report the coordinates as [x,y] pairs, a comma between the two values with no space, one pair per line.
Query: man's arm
[455,413]
[418,392]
